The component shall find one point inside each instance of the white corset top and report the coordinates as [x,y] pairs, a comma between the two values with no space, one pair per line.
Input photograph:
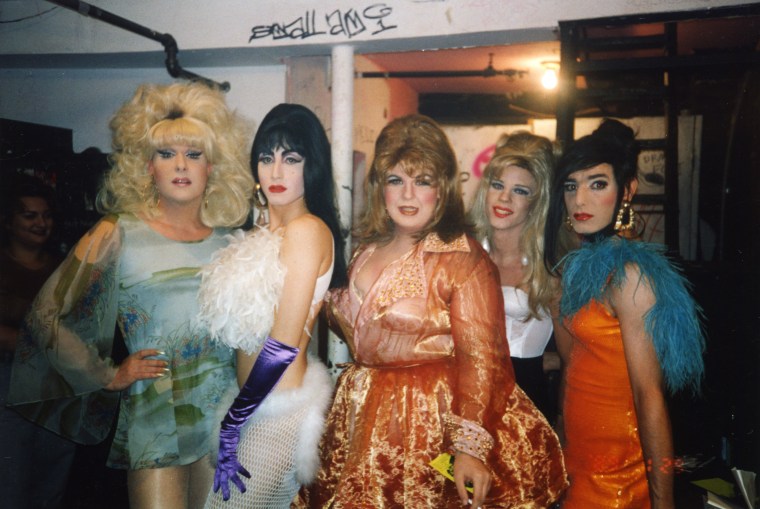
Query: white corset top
[527,338]
[323,282]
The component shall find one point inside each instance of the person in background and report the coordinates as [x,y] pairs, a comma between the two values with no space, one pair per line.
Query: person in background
[635,331]
[34,462]
[261,296]
[179,179]
[423,316]
[509,212]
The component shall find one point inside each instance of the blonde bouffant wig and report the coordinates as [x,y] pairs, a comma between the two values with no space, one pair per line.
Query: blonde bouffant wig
[190,114]
[537,155]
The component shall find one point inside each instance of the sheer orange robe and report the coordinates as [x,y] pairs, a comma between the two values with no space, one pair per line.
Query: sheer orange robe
[605,461]
[432,374]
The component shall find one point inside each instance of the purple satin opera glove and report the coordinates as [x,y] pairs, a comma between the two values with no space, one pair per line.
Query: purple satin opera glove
[273,360]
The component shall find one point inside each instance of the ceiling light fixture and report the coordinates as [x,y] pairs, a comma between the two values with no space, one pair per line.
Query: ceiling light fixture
[550,79]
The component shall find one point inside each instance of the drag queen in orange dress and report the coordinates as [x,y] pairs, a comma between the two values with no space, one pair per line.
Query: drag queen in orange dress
[423,316]
[635,328]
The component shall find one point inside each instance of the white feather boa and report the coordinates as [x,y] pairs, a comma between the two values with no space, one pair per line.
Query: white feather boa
[240,289]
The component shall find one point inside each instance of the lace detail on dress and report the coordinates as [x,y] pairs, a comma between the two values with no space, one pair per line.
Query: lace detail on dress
[468,437]
[434,244]
[409,280]
[409,274]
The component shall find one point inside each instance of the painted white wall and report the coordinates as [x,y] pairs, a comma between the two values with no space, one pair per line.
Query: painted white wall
[200,24]
[84,99]
[474,146]
[308,83]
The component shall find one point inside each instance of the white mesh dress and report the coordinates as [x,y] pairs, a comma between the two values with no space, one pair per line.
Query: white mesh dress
[279,443]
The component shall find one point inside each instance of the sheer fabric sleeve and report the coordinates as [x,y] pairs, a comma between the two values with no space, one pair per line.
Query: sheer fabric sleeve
[62,360]
[481,356]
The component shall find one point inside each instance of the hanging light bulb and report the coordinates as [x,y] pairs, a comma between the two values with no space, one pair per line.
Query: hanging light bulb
[549,80]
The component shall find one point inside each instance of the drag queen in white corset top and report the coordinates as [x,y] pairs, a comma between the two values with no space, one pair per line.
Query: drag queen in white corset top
[509,211]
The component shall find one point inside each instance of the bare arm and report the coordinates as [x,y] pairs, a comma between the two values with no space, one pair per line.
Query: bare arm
[631,303]
[306,250]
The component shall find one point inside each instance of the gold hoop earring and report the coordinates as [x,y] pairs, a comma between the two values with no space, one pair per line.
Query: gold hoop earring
[625,208]
[259,198]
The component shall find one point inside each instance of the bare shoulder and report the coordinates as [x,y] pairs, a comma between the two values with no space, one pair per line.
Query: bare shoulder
[307,234]
[308,226]
[635,292]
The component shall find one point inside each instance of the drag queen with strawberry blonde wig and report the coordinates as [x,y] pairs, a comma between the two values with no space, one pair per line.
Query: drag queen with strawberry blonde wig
[424,319]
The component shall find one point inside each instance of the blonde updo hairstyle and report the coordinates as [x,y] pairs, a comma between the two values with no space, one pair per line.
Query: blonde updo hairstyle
[191,114]
[537,155]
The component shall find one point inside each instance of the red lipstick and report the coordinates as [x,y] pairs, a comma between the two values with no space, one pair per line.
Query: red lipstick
[277,188]
[502,212]
[582,216]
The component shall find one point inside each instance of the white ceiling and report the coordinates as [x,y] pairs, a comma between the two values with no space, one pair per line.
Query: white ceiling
[523,57]
[698,36]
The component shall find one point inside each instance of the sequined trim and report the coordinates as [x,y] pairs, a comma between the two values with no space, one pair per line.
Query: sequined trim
[434,244]
[467,437]
[408,281]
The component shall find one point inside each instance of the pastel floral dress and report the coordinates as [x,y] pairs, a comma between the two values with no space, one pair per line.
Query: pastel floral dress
[124,273]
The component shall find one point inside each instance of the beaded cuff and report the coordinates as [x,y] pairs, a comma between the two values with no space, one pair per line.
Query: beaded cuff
[467,437]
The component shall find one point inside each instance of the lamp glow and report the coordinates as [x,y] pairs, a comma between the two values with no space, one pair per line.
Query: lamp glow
[549,79]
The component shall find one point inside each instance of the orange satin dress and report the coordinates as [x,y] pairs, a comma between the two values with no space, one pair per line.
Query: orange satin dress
[432,373]
[604,458]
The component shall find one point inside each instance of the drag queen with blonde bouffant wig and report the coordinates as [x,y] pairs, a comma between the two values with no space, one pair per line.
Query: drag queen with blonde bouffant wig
[179,179]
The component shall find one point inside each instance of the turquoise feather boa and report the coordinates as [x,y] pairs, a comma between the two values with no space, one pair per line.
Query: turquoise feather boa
[673,322]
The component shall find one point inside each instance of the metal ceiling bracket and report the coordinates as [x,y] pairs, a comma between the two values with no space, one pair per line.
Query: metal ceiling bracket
[488,72]
[169,43]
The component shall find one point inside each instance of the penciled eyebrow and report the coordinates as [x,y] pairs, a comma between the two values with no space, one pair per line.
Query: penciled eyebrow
[590,177]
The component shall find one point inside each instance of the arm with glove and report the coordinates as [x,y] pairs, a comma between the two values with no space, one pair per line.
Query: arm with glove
[302,268]
[272,361]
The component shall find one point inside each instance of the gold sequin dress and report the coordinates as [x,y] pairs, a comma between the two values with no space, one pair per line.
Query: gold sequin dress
[432,375]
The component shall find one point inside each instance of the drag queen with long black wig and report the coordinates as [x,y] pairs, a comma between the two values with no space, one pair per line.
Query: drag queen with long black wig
[261,296]
[635,331]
